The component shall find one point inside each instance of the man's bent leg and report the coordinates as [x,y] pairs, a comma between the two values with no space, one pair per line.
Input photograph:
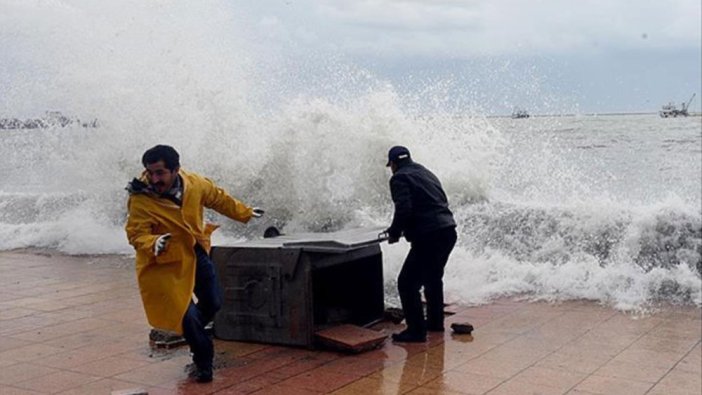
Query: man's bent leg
[199,341]
[207,289]
[209,301]
[434,283]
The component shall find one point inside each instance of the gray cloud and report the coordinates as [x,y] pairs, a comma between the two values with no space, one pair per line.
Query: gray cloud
[473,28]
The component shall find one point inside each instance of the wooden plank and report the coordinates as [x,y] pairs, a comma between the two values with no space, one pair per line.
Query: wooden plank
[350,338]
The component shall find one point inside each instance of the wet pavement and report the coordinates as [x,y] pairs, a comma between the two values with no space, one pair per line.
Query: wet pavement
[75,325]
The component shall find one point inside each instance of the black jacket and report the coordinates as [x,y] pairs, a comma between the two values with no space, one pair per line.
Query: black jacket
[420,202]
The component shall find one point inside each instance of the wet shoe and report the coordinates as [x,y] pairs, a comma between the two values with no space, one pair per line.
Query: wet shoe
[203,375]
[408,337]
[191,370]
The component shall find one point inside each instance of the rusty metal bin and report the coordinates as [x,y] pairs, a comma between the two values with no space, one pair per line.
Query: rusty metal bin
[282,290]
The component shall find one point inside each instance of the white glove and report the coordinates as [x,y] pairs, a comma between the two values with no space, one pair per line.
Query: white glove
[160,244]
[257,212]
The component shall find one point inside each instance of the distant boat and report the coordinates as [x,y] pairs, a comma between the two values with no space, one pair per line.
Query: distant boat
[671,111]
[517,113]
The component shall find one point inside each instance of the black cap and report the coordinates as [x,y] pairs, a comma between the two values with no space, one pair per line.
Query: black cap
[397,154]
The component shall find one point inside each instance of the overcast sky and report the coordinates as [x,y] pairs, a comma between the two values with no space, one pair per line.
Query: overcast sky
[549,55]
[488,56]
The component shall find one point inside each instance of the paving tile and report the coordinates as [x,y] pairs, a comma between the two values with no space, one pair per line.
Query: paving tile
[630,324]
[8,390]
[79,340]
[145,353]
[292,369]
[127,315]
[319,380]
[154,374]
[108,367]
[540,343]
[524,322]
[279,367]
[649,357]
[353,365]
[436,361]
[118,347]
[516,387]
[551,337]
[666,344]
[613,385]
[248,386]
[579,321]
[540,377]
[633,371]
[467,383]
[63,329]
[71,358]
[238,349]
[61,316]
[692,362]
[57,381]
[8,343]
[23,324]
[61,312]
[389,352]
[679,314]
[465,342]
[679,329]
[484,366]
[102,386]
[606,340]
[278,352]
[158,391]
[287,390]
[412,375]
[116,330]
[678,382]
[7,362]
[29,352]
[432,391]
[187,386]
[50,305]
[12,313]
[440,359]
[591,348]
[578,363]
[24,301]
[524,356]
[489,338]
[19,372]
[374,386]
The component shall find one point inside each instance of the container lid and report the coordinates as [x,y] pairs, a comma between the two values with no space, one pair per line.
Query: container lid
[341,241]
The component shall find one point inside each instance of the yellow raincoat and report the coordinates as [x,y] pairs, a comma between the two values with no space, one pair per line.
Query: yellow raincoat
[167,281]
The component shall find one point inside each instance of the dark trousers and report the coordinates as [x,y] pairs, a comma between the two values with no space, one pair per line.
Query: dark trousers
[209,301]
[424,267]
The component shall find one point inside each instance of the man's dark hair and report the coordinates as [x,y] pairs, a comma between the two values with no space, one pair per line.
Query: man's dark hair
[166,153]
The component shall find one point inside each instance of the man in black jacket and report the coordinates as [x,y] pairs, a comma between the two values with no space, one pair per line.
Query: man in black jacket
[423,217]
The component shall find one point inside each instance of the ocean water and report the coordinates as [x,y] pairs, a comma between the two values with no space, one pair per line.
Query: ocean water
[606,208]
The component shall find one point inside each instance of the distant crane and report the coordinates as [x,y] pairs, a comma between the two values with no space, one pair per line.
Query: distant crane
[669,110]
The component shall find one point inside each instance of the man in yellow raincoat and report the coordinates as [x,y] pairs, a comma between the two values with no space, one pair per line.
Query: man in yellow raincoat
[166,228]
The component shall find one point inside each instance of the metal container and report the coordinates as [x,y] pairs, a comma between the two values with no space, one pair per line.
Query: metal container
[282,290]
